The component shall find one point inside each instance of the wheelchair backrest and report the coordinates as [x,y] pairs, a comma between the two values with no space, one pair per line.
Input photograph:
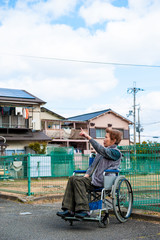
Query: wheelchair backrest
[109,181]
[109,177]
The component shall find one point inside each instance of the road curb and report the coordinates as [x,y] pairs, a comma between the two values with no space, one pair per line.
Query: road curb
[136,214]
[29,199]
[146,217]
[10,197]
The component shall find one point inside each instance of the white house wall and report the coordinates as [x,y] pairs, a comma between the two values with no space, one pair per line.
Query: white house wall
[35,121]
[19,145]
[48,116]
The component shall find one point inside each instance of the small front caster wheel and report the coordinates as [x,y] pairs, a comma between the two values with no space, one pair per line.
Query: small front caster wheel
[103,223]
[71,223]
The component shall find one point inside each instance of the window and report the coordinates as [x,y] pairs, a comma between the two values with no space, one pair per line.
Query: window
[126,134]
[53,125]
[92,132]
[20,151]
[13,152]
[10,152]
[100,132]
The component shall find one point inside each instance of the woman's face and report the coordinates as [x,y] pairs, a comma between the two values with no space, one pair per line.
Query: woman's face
[107,141]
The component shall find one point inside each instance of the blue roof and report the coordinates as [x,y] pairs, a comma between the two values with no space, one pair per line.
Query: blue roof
[15,93]
[88,116]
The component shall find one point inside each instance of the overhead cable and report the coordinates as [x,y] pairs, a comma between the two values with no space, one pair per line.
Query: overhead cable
[151,123]
[85,61]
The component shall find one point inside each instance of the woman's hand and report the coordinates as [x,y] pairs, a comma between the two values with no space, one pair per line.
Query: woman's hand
[86,175]
[84,134]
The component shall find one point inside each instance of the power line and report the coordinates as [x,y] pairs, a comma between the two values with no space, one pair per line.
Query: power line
[153,136]
[85,61]
[151,123]
[150,136]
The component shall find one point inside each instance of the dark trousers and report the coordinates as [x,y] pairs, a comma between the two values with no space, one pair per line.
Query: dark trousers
[75,197]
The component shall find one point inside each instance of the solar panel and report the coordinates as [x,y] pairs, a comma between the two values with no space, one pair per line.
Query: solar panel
[14,93]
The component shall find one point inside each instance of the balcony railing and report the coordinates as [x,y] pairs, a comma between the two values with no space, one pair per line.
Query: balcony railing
[63,133]
[13,122]
[5,125]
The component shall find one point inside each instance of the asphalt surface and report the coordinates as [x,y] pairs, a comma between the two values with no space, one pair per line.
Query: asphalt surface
[20,221]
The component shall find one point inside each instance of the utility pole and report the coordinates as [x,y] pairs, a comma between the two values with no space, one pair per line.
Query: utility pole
[139,126]
[134,90]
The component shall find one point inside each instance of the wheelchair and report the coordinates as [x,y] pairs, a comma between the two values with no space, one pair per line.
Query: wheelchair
[116,196]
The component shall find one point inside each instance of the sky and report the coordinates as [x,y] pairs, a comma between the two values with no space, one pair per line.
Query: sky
[82,56]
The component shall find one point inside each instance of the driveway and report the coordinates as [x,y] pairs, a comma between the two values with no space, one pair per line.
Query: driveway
[20,221]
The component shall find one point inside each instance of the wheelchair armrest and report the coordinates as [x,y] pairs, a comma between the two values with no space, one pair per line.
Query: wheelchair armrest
[79,171]
[116,171]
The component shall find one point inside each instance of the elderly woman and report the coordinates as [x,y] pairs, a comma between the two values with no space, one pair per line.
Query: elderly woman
[75,202]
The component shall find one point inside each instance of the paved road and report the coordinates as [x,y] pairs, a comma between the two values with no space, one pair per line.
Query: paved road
[39,222]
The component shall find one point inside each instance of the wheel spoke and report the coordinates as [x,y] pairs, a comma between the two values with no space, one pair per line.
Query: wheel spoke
[122,198]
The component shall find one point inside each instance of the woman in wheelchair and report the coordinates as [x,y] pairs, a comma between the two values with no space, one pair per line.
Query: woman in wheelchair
[75,201]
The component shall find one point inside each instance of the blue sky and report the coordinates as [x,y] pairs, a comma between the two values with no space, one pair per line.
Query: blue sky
[40,37]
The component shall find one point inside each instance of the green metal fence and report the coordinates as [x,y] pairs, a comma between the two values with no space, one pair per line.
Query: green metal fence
[48,174]
[14,174]
[39,174]
[142,168]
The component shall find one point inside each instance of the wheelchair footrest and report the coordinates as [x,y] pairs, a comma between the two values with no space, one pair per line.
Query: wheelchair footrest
[87,219]
[72,219]
[95,205]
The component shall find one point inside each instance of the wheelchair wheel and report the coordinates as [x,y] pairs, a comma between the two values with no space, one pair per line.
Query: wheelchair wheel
[122,198]
[103,222]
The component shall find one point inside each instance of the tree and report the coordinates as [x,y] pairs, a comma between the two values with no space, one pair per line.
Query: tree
[38,148]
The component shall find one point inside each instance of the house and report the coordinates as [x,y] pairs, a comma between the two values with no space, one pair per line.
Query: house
[20,122]
[65,132]
[47,119]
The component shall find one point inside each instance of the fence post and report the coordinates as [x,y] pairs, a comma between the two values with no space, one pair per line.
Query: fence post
[4,168]
[29,174]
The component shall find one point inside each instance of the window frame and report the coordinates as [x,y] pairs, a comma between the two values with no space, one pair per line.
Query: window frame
[101,133]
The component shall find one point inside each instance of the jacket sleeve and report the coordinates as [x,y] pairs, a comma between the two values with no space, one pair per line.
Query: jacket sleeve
[107,152]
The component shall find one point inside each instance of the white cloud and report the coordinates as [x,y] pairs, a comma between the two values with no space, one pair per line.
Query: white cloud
[143,6]
[131,37]
[48,10]
[67,79]
[9,65]
[59,8]
[149,114]
[85,82]
[100,12]
[151,100]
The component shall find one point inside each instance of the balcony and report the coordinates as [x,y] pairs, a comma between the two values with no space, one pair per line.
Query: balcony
[13,122]
[63,129]
[63,133]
